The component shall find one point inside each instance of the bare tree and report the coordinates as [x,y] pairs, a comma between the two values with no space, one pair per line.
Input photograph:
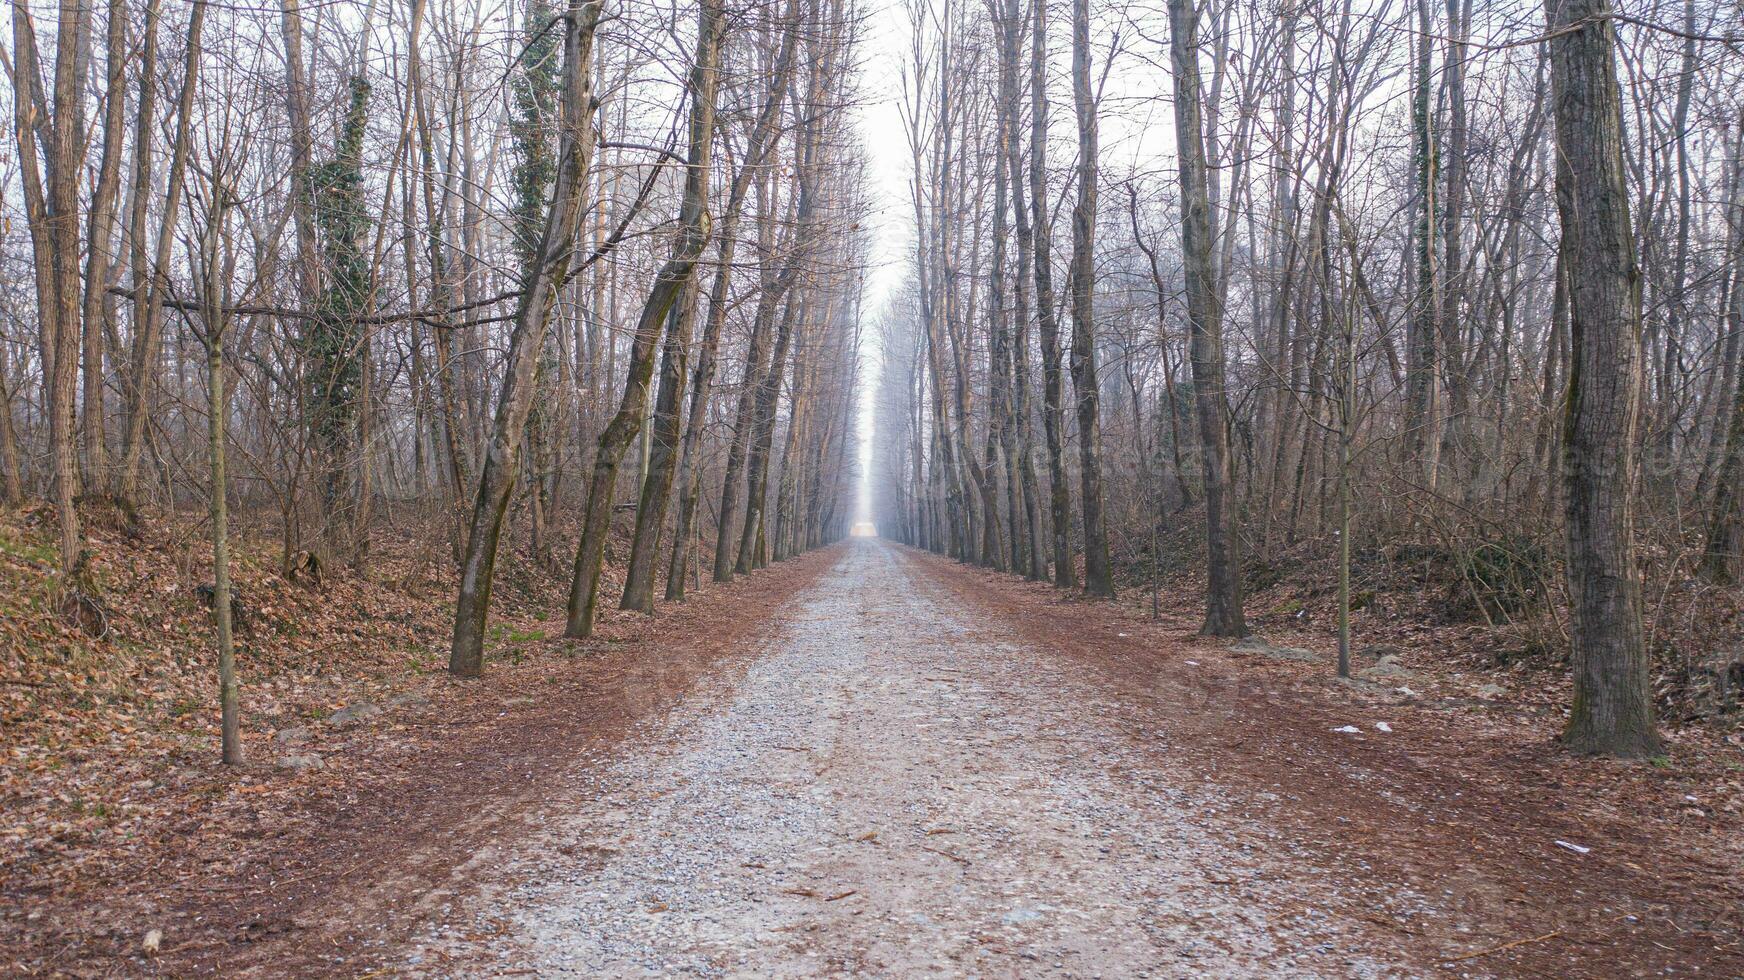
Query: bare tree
[501,464]
[1098,576]
[671,282]
[1223,613]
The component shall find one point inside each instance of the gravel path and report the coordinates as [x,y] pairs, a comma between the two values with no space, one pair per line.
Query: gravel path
[894,789]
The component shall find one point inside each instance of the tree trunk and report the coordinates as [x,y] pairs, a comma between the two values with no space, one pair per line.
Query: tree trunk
[150,282]
[496,482]
[100,242]
[52,143]
[1098,576]
[669,405]
[1223,613]
[751,536]
[217,409]
[1025,504]
[1053,411]
[11,465]
[762,142]
[671,281]
[1422,330]
[744,419]
[1613,706]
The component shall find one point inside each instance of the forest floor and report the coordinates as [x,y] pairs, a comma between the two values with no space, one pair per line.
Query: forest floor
[874,760]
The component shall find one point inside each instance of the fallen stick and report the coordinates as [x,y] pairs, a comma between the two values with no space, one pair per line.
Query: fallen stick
[1498,949]
[954,857]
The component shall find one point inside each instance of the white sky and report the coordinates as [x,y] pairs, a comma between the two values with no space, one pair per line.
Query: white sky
[880,123]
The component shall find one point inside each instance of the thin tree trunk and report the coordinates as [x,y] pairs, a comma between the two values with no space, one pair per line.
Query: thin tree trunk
[1053,412]
[217,416]
[11,465]
[100,242]
[152,281]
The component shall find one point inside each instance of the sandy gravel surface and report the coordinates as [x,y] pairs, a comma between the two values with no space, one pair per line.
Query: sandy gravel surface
[895,788]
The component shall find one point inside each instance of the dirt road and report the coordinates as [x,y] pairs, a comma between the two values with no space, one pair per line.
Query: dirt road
[873,761]
[899,788]
[914,779]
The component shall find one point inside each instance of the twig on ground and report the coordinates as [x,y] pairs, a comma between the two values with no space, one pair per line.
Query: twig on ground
[1498,949]
[955,857]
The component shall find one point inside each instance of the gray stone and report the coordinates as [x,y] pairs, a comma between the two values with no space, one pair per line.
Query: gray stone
[353,714]
[1388,668]
[292,736]
[1493,691]
[1255,643]
[302,762]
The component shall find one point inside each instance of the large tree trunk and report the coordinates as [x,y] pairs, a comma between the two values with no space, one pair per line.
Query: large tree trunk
[1223,613]
[1098,576]
[302,144]
[1613,705]
[456,447]
[1014,438]
[1725,534]
[501,465]
[52,146]
[793,450]
[752,538]
[1456,442]
[690,457]
[662,461]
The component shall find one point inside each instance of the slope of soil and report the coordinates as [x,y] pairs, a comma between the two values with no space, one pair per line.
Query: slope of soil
[119,822]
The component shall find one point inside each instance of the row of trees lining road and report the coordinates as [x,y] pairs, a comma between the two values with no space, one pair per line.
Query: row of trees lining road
[1407,285]
[493,267]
